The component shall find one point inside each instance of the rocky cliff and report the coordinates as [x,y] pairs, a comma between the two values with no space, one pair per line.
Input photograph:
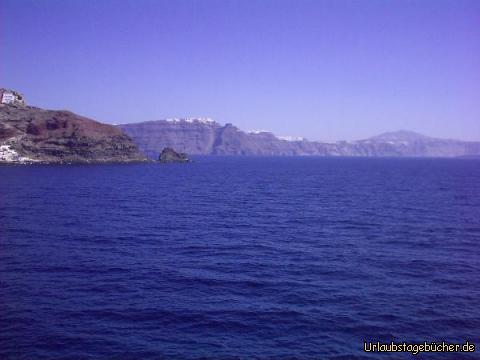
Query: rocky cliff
[206,137]
[30,134]
[191,136]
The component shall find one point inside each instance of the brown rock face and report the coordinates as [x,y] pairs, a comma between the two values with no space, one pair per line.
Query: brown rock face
[63,137]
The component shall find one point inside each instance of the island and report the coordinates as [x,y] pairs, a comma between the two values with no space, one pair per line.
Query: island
[168,155]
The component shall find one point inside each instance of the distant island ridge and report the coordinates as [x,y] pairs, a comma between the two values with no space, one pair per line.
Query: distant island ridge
[204,136]
[30,134]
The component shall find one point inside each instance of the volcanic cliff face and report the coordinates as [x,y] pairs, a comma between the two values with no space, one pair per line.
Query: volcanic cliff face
[191,136]
[29,134]
[206,137]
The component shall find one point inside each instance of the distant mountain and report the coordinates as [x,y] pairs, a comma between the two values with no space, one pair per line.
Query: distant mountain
[29,134]
[200,136]
[399,136]
[408,143]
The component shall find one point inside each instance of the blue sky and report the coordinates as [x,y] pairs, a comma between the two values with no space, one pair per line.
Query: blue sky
[325,70]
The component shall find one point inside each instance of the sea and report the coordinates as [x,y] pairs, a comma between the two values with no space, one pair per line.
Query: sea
[239,258]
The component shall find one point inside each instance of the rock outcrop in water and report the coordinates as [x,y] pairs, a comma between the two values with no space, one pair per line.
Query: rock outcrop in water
[207,137]
[168,155]
[32,135]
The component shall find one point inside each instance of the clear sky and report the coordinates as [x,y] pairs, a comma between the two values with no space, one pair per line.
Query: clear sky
[326,70]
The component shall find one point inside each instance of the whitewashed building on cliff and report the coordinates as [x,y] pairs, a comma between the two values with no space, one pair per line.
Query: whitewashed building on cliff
[11,97]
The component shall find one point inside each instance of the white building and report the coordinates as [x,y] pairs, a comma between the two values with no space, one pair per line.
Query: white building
[10,97]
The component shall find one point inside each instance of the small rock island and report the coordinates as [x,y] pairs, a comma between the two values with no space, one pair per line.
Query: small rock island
[168,155]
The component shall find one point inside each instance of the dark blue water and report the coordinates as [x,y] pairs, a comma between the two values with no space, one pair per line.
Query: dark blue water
[238,258]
